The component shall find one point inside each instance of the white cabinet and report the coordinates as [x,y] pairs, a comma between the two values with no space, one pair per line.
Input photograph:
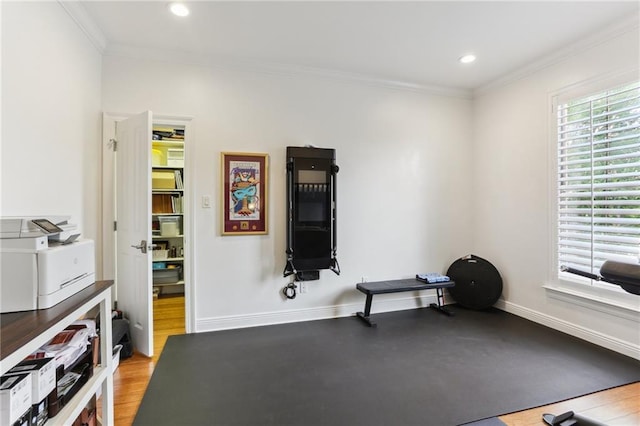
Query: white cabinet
[22,333]
[168,208]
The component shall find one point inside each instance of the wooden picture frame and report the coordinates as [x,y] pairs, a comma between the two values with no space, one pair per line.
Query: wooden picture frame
[245,182]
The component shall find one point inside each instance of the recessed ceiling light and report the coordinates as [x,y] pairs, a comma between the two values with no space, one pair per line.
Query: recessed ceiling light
[467,59]
[178,9]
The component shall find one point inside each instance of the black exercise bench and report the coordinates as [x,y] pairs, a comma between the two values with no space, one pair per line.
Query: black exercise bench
[397,286]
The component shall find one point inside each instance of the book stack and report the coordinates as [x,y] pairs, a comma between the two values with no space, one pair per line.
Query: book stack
[176,204]
[178,175]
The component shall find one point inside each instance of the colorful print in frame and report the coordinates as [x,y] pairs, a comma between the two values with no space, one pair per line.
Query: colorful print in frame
[244,193]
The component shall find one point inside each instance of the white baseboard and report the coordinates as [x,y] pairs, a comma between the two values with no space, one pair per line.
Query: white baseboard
[617,345]
[385,304]
[381,303]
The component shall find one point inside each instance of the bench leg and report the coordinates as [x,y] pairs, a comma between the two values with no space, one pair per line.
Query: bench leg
[440,306]
[366,315]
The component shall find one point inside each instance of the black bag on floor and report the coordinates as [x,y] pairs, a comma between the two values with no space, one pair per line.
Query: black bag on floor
[121,336]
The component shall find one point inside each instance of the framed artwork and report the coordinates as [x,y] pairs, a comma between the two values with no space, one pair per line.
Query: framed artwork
[245,179]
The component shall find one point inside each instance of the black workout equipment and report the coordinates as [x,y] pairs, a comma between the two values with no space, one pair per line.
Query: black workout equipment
[311,212]
[478,282]
[626,275]
[569,419]
[398,286]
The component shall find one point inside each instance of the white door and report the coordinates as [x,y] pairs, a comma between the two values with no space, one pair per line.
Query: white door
[133,234]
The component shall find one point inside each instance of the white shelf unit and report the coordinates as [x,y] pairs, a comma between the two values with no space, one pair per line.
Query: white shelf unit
[168,156]
[46,324]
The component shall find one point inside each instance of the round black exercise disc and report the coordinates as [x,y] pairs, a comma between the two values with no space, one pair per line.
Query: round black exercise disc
[478,282]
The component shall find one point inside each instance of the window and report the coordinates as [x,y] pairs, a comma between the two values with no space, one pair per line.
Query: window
[598,181]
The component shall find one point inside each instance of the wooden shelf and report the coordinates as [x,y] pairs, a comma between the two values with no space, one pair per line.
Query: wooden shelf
[165,191]
[167,167]
[168,143]
[22,333]
[73,409]
[166,284]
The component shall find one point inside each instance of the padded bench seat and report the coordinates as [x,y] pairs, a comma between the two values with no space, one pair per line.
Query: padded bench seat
[398,286]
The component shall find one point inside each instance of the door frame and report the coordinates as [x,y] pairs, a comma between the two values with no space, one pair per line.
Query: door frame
[109,257]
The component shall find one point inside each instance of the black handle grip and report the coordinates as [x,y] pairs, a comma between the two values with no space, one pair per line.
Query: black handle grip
[581,273]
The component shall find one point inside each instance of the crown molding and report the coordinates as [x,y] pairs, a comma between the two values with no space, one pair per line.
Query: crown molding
[78,13]
[611,32]
[263,67]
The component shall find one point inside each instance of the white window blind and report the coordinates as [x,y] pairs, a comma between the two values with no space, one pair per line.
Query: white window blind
[599,179]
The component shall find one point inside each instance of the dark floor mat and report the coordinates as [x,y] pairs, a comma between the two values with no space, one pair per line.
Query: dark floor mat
[418,367]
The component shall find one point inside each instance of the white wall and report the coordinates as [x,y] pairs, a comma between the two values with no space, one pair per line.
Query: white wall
[50,116]
[403,186]
[512,175]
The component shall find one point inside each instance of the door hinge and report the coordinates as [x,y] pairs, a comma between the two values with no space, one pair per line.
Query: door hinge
[113,144]
[115,225]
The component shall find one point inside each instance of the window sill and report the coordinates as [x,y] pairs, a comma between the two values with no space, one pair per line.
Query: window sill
[616,303]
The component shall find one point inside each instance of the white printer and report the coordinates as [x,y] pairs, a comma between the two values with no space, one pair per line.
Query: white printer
[42,262]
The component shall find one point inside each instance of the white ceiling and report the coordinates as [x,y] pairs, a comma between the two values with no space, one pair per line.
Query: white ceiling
[411,42]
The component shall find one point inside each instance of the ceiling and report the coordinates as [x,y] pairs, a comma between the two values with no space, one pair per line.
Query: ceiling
[415,43]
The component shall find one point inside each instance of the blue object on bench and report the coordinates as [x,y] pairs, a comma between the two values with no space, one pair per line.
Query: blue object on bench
[398,286]
[432,277]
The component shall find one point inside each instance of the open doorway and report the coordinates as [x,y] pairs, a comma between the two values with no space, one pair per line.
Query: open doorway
[146,193]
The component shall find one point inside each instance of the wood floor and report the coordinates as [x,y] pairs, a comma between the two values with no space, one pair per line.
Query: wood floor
[615,407]
[132,376]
